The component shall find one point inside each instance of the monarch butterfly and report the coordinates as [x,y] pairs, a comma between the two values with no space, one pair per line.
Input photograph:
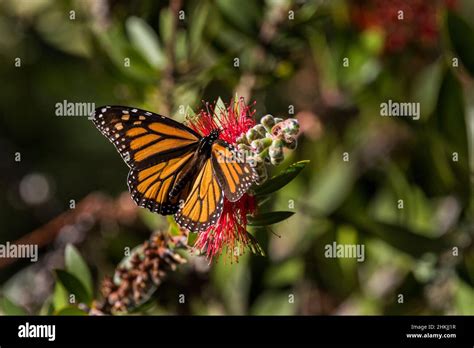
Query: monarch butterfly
[173,169]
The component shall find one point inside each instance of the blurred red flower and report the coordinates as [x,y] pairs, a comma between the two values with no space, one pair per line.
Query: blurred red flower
[403,22]
[230,231]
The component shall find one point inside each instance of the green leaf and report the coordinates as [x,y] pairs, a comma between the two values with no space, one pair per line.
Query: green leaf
[71,311]
[271,218]
[165,25]
[461,35]
[60,294]
[273,303]
[10,308]
[173,228]
[73,286]
[280,180]
[449,120]
[399,237]
[332,184]
[284,273]
[145,40]
[198,23]
[464,299]
[76,265]
[192,237]
[242,14]
[118,47]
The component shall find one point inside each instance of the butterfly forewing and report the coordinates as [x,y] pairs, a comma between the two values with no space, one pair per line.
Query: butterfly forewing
[143,138]
[157,149]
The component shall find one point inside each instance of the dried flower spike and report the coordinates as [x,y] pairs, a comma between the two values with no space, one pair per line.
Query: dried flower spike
[138,276]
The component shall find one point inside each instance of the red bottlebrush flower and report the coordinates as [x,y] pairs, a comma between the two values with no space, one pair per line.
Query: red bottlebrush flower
[419,26]
[230,231]
[233,120]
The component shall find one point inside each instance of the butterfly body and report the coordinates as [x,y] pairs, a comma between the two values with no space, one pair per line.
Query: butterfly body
[173,169]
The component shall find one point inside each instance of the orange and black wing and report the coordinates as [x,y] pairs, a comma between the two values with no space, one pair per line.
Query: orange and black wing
[150,187]
[233,171]
[157,149]
[204,203]
[144,138]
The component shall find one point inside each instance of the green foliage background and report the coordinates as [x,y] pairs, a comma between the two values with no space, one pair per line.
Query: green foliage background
[283,63]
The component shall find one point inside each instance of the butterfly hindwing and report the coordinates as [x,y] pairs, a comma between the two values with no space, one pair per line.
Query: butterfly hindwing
[204,203]
[150,187]
[233,172]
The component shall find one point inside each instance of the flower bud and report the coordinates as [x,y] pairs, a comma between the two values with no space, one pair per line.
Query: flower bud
[251,135]
[277,159]
[291,126]
[257,146]
[244,147]
[258,162]
[278,120]
[277,143]
[275,152]
[291,143]
[262,177]
[242,139]
[260,130]
[268,122]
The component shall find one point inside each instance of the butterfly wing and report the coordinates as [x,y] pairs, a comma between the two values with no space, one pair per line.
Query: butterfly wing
[233,172]
[150,187]
[157,149]
[144,138]
[204,203]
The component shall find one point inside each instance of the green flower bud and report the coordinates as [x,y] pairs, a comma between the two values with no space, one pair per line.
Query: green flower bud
[260,130]
[242,140]
[277,160]
[251,135]
[244,147]
[264,153]
[278,120]
[292,126]
[277,143]
[262,178]
[291,143]
[268,122]
[257,145]
[275,152]
[261,144]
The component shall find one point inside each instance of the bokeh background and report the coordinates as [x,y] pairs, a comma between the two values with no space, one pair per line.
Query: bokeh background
[291,62]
